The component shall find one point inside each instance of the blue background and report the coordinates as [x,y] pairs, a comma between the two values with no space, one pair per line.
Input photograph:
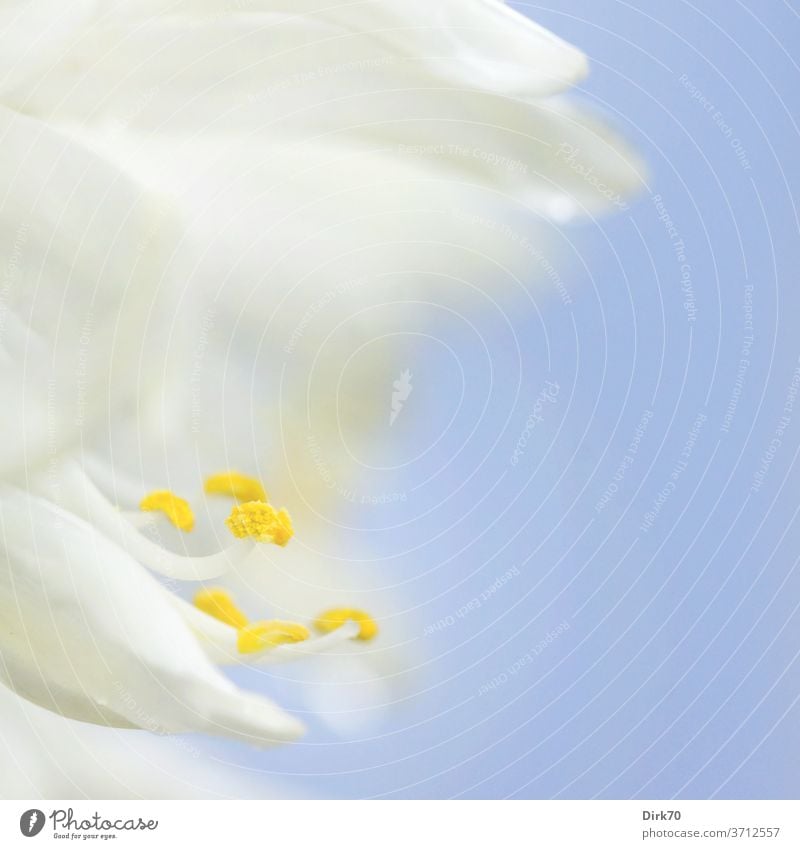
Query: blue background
[678,673]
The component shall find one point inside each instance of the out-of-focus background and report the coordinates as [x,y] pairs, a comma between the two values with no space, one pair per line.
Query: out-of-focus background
[581,510]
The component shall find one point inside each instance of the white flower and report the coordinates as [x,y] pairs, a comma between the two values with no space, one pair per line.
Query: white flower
[164,161]
[89,634]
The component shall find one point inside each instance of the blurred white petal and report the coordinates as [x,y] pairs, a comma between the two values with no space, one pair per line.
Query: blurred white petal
[88,633]
[142,63]
[47,756]
[84,251]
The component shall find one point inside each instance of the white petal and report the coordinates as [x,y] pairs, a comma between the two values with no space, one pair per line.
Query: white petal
[88,633]
[139,64]
[73,490]
[548,156]
[80,247]
[349,694]
[392,75]
[46,756]
[219,641]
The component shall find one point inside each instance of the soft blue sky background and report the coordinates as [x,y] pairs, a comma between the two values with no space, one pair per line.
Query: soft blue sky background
[678,674]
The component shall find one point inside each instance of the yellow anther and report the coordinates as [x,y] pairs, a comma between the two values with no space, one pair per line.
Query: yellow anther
[177,510]
[233,483]
[260,521]
[219,604]
[330,620]
[268,635]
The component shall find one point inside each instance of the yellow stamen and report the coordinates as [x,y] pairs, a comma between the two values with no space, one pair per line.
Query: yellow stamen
[267,635]
[219,604]
[233,483]
[261,521]
[330,620]
[177,510]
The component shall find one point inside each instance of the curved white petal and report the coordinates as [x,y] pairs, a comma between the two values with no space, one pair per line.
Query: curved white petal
[75,492]
[85,631]
[349,694]
[83,252]
[141,64]
[47,756]
[463,74]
